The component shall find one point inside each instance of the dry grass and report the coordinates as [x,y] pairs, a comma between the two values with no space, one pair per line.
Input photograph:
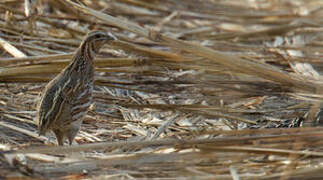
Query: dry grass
[193,90]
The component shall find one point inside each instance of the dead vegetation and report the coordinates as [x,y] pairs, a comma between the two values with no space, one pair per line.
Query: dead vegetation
[194,89]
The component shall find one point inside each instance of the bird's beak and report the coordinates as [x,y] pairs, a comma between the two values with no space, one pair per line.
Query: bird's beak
[112,37]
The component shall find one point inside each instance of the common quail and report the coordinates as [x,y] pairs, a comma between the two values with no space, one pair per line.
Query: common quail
[66,99]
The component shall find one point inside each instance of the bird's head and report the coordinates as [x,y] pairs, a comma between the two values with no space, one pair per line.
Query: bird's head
[96,39]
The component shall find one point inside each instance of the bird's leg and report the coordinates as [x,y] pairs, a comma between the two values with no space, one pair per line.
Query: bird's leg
[73,130]
[71,135]
[59,136]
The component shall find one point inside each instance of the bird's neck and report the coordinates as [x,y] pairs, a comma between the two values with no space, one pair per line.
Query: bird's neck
[87,50]
[82,61]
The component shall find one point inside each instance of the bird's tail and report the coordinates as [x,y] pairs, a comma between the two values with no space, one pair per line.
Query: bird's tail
[41,129]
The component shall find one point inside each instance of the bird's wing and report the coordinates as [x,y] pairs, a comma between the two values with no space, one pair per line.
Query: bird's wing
[54,102]
[64,100]
[50,107]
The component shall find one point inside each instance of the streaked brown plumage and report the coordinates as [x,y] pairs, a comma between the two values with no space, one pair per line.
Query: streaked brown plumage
[66,99]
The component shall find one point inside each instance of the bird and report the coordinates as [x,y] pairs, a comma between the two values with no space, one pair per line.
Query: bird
[66,99]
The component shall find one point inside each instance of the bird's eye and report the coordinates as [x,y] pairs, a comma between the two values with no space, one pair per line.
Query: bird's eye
[97,36]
